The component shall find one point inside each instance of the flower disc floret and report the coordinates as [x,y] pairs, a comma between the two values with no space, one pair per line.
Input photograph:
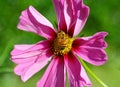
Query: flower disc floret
[62,43]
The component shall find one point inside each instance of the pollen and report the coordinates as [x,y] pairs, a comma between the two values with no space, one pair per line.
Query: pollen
[62,43]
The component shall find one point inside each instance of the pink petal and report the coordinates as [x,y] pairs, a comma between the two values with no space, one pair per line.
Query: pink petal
[31,20]
[19,55]
[97,41]
[80,14]
[22,49]
[21,68]
[27,70]
[95,56]
[91,49]
[64,76]
[58,5]
[71,14]
[36,58]
[83,74]
[54,75]
[28,66]
[78,27]
[27,53]
[75,71]
[59,8]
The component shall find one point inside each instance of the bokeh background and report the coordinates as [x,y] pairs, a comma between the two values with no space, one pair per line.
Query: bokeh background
[104,16]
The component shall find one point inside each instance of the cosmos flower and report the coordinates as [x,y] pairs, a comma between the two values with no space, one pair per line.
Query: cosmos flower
[62,48]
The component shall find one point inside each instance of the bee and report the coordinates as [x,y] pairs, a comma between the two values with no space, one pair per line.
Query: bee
[62,43]
[62,40]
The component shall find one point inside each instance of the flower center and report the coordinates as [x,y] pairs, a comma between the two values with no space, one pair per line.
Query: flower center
[62,43]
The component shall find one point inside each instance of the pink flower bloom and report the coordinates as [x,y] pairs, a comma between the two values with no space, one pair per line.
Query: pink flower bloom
[61,48]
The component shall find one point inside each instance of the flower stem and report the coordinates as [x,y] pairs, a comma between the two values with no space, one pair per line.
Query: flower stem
[86,67]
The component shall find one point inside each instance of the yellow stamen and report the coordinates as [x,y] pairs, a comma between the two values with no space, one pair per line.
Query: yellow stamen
[62,43]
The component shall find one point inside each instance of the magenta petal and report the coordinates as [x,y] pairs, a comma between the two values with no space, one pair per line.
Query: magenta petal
[71,14]
[82,13]
[91,49]
[54,75]
[83,74]
[59,8]
[27,70]
[65,75]
[94,56]
[95,41]
[31,58]
[25,53]
[58,5]
[36,58]
[22,49]
[21,68]
[31,20]
[74,71]
[78,13]
[28,66]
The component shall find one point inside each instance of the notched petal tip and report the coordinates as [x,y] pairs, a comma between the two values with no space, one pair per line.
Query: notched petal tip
[93,56]
[31,20]
[100,39]
[91,49]
[102,33]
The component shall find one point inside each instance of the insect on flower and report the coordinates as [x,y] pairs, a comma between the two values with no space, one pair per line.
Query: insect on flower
[62,43]
[60,48]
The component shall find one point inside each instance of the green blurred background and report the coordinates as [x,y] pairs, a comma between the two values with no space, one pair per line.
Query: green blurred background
[104,16]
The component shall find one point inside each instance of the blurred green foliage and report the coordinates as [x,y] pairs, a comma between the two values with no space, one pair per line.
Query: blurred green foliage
[104,16]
